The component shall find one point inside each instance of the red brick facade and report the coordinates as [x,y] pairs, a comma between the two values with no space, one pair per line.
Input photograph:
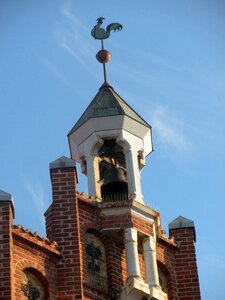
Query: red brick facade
[6,268]
[66,270]
[185,264]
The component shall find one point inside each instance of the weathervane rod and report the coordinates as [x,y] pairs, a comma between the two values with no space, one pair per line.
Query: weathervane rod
[103,56]
[104,64]
[102,44]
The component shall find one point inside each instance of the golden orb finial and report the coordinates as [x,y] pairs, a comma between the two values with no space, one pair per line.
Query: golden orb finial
[103,56]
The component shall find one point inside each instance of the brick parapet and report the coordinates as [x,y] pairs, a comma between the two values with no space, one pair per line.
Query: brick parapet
[41,248]
[186,264]
[63,226]
[27,237]
[6,266]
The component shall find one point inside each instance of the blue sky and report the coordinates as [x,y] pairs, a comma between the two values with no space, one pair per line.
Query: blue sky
[167,63]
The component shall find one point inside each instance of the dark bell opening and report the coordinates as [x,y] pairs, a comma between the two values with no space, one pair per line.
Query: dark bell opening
[115,186]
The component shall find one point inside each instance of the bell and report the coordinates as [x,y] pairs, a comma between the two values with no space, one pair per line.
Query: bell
[115,186]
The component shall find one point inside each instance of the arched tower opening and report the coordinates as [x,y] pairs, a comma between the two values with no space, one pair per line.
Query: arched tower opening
[112,170]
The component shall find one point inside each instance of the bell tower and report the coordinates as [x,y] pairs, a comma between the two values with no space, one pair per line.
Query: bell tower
[107,245]
[111,141]
[121,250]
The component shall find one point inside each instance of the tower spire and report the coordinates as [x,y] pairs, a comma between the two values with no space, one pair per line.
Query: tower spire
[103,56]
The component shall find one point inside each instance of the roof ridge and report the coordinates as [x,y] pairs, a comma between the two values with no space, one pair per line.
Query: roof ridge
[34,236]
[121,99]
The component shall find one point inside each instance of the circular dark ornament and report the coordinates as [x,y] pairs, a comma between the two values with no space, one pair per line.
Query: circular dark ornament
[103,56]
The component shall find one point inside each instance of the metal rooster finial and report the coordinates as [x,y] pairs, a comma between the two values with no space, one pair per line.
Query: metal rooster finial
[102,34]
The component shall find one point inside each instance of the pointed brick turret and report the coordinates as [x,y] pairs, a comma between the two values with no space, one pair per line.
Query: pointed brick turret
[181,222]
[62,162]
[183,231]
[6,261]
[4,196]
[62,226]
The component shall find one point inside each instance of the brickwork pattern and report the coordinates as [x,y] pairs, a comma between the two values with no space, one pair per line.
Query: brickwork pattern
[40,263]
[6,274]
[62,270]
[141,262]
[186,265]
[63,226]
[166,262]
[91,220]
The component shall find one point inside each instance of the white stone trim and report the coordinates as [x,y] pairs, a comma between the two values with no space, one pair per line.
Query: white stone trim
[131,248]
[142,212]
[93,176]
[157,294]
[134,289]
[151,269]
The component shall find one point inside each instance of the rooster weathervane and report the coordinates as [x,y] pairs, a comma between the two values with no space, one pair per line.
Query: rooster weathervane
[102,34]
[99,33]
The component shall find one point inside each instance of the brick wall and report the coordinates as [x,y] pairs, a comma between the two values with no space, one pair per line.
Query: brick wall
[63,272]
[142,225]
[185,264]
[141,262]
[166,262]
[6,270]
[91,220]
[38,260]
[116,266]
[63,226]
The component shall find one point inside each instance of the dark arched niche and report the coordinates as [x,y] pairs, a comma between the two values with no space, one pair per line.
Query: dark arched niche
[34,285]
